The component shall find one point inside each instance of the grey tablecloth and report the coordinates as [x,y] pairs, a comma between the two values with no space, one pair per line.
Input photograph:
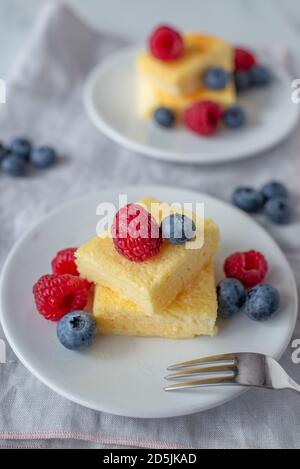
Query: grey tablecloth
[44,102]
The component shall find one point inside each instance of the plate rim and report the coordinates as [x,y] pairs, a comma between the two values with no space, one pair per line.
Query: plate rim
[81,401]
[165,155]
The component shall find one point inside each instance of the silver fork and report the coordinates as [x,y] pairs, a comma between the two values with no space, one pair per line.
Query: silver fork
[234,369]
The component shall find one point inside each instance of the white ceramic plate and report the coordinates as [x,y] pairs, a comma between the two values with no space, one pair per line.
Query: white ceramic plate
[110,97]
[125,376]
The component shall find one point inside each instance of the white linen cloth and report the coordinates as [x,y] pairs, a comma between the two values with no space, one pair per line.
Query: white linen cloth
[44,101]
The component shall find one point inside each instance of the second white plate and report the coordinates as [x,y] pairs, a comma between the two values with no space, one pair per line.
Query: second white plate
[110,97]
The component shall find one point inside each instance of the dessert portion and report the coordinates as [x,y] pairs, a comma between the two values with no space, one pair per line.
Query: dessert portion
[192,313]
[153,246]
[195,79]
[154,283]
[177,84]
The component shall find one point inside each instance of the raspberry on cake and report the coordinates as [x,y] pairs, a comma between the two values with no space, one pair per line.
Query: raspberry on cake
[192,313]
[135,233]
[154,283]
[166,44]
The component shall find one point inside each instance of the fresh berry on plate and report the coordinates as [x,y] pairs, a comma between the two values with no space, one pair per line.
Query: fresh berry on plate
[216,78]
[13,165]
[43,157]
[164,117]
[57,295]
[77,330]
[248,199]
[243,81]
[204,117]
[274,189]
[178,229]
[250,267]
[260,76]
[231,297]
[64,262]
[136,234]
[262,302]
[166,43]
[235,117]
[21,147]
[278,210]
[244,60]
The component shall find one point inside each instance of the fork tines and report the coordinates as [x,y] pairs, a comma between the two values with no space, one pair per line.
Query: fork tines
[211,371]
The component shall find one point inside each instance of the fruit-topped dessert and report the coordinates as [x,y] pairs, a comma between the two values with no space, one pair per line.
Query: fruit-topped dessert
[152,274]
[194,79]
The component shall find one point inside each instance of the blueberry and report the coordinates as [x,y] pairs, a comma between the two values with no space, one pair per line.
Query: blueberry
[13,165]
[21,147]
[248,199]
[164,117]
[178,229]
[274,189]
[262,302]
[278,210]
[260,76]
[216,78]
[77,330]
[243,81]
[43,157]
[231,297]
[235,117]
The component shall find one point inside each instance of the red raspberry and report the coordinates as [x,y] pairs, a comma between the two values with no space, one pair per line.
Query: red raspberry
[57,295]
[249,267]
[244,60]
[166,43]
[203,117]
[136,234]
[64,262]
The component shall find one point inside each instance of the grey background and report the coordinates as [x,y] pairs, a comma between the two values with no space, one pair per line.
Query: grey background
[276,21]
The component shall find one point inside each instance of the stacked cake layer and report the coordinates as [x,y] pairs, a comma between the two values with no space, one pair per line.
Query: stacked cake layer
[192,313]
[170,295]
[178,84]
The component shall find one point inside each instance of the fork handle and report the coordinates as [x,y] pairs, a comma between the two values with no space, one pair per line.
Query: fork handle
[293,385]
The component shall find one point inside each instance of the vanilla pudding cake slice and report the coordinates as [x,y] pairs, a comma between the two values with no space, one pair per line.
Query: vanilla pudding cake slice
[182,77]
[192,313]
[177,85]
[154,283]
[150,97]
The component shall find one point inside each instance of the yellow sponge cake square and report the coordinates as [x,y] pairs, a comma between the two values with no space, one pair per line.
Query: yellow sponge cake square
[153,284]
[183,76]
[192,313]
[150,97]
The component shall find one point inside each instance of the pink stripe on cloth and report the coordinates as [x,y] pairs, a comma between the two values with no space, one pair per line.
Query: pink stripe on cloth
[21,447]
[92,438]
